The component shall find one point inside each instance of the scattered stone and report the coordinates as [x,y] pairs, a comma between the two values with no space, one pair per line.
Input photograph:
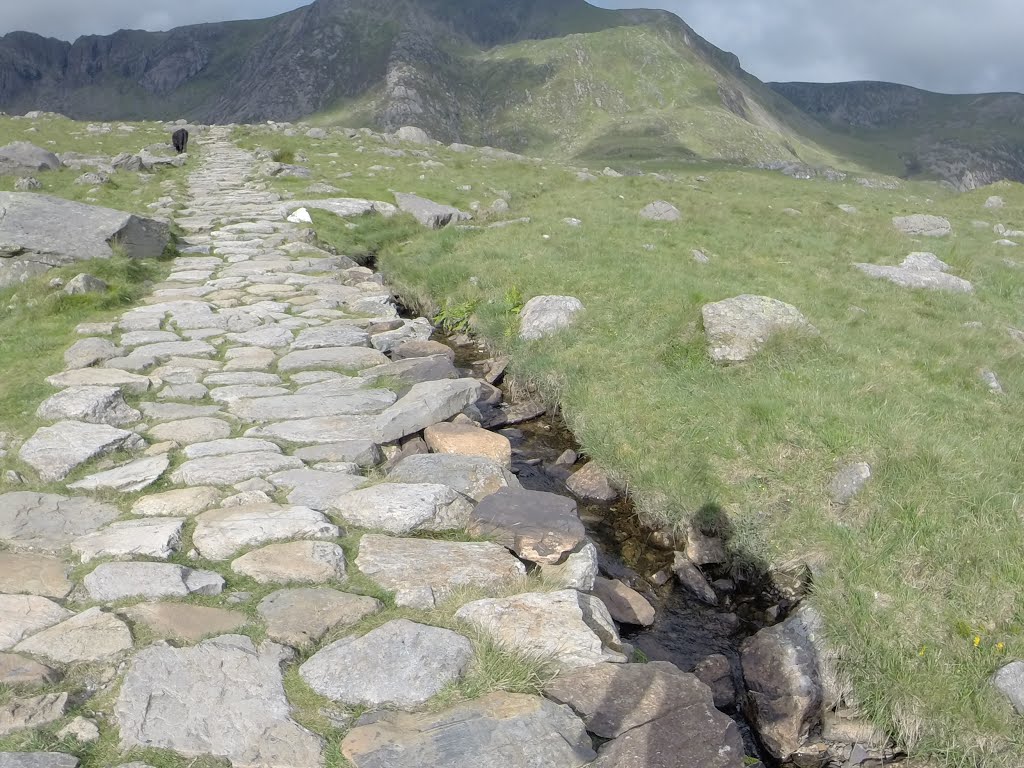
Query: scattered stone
[94,405]
[219,533]
[432,570]
[472,476]
[690,577]
[716,673]
[400,664]
[919,270]
[90,636]
[401,508]
[47,521]
[994,202]
[116,581]
[846,208]
[33,574]
[27,184]
[427,212]
[702,549]
[849,481]
[31,712]
[179,621]
[624,604]
[660,210]
[590,483]
[499,730]
[22,616]
[81,730]
[128,478]
[170,697]
[87,352]
[991,381]
[1009,680]
[923,225]
[561,626]
[84,283]
[313,562]
[545,315]
[184,502]
[737,328]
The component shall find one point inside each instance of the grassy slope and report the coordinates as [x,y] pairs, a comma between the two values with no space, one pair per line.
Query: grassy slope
[927,558]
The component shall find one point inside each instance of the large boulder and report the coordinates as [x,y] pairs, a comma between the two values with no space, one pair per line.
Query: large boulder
[544,315]
[21,157]
[919,270]
[738,327]
[923,224]
[783,668]
[38,232]
[537,526]
[427,212]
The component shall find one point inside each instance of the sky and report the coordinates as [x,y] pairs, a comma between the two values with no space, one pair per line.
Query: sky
[951,46]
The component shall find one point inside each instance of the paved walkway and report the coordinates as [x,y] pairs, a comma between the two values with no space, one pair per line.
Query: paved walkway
[225,439]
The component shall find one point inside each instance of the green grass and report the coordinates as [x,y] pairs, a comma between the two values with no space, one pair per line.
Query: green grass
[927,558]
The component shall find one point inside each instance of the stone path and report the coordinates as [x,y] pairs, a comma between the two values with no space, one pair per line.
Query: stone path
[222,440]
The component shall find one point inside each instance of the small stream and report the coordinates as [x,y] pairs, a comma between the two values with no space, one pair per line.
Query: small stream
[685,630]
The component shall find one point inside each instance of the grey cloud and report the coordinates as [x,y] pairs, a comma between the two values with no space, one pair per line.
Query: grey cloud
[949,46]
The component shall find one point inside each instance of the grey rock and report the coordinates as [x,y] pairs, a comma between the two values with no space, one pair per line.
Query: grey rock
[625,605]
[38,232]
[101,377]
[1009,681]
[47,521]
[81,730]
[93,405]
[331,336]
[472,476]
[228,447]
[919,270]
[412,371]
[170,696]
[434,569]
[253,378]
[22,616]
[201,429]
[33,574]
[24,156]
[184,502]
[300,617]
[715,672]
[116,581]
[37,760]
[499,730]
[180,621]
[660,210]
[737,328]
[544,315]
[314,488]
[994,202]
[427,212]
[87,352]
[127,478]
[400,664]
[312,562]
[690,577]
[591,483]
[413,135]
[57,450]
[281,407]
[849,481]
[924,225]
[233,468]
[364,453]
[336,358]
[577,571]
[19,714]
[90,636]
[401,508]
[550,625]
[27,184]
[84,283]
[991,381]
[785,693]
[539,527]
[219,533]
[20,671]
[153,537]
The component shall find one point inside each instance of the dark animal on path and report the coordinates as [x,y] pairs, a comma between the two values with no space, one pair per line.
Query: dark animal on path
[180,139]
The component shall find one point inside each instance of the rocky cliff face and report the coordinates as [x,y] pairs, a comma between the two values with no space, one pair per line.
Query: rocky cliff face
[966,140]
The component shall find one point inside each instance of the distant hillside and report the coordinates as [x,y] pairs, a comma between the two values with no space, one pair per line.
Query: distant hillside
[969,140]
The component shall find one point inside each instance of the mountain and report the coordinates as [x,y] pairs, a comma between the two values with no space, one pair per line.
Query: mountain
[969,140]
[546,76]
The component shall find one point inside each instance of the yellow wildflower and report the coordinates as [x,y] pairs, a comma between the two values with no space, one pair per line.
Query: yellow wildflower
[977,640]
